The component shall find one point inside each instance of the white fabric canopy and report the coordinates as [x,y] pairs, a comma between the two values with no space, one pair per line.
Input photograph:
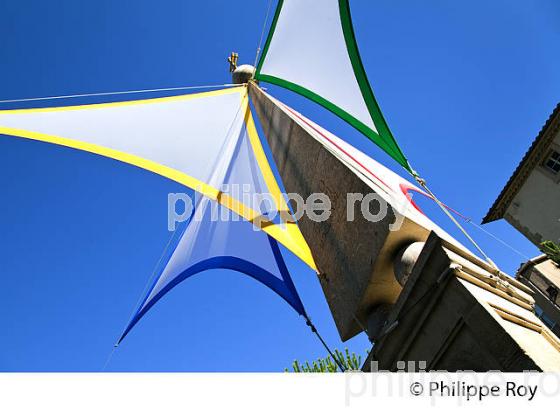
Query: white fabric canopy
[175,132]
[311,49]
[308,49]
[206,141]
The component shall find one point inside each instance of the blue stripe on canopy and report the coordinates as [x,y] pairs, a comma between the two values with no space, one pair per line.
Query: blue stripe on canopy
[230,258]
[284,289]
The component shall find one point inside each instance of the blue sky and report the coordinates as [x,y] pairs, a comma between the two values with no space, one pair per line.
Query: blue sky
[465,87]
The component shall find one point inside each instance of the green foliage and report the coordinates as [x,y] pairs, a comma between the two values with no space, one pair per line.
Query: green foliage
[350,361]
[552,250]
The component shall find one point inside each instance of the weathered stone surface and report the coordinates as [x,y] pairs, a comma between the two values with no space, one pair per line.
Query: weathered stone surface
[345,252]
[542,276]
[355,258]
[529,201]
[455,312]
[454,319]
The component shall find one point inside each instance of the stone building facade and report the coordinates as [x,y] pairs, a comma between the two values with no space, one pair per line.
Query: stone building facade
[543,277]
[530,201]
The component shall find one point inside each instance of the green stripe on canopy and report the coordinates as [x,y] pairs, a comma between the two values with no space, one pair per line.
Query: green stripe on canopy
[312,51]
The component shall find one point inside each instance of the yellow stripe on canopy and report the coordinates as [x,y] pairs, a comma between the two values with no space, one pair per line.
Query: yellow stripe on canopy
[240,90]
[286,233]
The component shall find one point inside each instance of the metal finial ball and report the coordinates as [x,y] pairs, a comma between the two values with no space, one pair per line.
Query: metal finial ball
[243,74]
